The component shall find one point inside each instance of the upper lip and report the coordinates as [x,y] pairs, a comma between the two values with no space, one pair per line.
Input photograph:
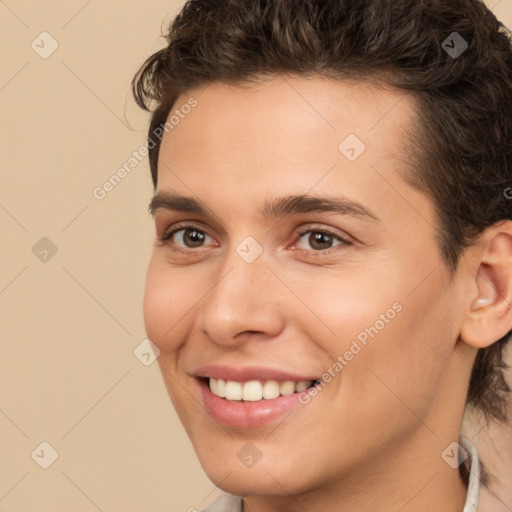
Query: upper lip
[247,373]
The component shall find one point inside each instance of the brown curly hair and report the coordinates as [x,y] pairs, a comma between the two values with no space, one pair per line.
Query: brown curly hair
[460,149]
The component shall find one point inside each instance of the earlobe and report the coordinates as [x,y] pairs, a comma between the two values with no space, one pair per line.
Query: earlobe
[489,317]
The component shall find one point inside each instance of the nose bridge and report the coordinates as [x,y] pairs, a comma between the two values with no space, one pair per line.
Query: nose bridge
[243,272]
[242,297]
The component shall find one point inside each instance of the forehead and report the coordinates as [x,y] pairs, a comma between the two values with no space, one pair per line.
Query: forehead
[295,117]
[289,135]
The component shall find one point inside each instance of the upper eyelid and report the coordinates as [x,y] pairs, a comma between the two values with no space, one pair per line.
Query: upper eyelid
[190,224]
[161,216]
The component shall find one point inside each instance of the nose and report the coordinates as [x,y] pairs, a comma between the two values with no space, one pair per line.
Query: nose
[244,303]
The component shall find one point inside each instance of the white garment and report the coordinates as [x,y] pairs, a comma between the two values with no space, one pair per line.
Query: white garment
[225,503]
[473,494]
[230,503]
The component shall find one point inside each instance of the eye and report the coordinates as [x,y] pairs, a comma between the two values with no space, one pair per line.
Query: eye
[319,240]
[188,237]
[185,237]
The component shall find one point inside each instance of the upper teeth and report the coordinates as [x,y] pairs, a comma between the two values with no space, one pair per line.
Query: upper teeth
[255,390]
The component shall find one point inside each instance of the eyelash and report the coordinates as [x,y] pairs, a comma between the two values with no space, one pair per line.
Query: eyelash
[164,240]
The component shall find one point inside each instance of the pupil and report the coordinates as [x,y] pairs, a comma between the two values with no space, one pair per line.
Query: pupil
[316,239]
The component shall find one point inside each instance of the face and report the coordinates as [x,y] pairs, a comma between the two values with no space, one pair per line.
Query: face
[301,255]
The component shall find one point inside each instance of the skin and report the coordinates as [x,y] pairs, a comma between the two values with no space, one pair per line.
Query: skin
[372,438]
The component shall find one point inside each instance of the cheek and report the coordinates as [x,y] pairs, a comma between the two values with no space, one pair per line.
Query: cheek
[393,342]
[347,305]
[165,306]
[167,299]
[406,362]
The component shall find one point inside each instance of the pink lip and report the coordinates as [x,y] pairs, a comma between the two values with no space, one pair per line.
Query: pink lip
[246,373]
[247,414]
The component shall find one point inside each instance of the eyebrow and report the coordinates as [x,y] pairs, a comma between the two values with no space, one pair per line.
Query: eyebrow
[276,208]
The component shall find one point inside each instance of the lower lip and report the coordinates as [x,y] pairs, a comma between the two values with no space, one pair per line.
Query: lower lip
[246,414]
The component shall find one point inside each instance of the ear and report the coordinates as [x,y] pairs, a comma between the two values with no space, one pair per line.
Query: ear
[489,315]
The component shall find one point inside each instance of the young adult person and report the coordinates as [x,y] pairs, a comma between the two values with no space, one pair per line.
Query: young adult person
[331,282]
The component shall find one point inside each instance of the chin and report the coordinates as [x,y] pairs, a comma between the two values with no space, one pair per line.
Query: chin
[269,476]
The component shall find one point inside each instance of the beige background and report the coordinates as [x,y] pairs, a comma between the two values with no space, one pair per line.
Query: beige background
[70,323]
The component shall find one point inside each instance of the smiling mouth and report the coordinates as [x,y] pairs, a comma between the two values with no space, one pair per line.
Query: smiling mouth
[255,390]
